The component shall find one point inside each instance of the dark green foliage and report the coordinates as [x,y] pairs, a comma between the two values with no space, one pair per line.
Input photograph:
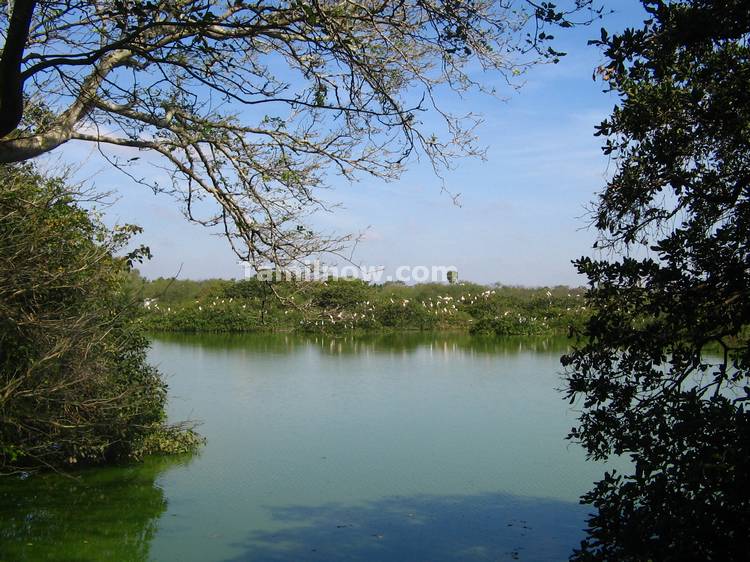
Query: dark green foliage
[343,305]
[530,312]
[340,293]
[168,291]
[507,326]
[252,288]
[406,315]
[219,315]
[649,379]
[74,383]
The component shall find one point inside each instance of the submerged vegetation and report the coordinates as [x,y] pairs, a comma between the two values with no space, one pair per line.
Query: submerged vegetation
[75,387]
[346,305]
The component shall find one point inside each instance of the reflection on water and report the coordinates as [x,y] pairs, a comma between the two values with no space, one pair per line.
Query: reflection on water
[98,514]
[389,448]
[404,342]
[421,528]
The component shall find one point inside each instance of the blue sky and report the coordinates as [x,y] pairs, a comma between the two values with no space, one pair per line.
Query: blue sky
[522,214]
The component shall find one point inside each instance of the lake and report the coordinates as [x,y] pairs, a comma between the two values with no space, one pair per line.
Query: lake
[407,447]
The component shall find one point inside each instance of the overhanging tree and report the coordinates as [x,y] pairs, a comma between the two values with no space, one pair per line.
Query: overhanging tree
[249,103]
[662,375]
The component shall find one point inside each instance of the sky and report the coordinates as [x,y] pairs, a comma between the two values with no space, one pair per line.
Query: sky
[522,215]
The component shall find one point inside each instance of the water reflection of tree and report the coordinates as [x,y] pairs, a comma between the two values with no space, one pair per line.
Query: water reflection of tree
[392,342]
[434,528]
[98,514]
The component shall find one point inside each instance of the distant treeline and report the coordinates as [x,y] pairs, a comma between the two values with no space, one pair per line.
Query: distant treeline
[343,305]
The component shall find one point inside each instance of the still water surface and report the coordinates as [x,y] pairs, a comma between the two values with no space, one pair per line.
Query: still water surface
[404,448]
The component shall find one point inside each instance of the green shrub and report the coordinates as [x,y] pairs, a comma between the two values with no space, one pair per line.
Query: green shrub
[340,293]
[339,306]
[74,383]
[405,315]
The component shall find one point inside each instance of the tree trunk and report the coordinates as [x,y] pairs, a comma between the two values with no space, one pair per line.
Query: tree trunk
[11,83]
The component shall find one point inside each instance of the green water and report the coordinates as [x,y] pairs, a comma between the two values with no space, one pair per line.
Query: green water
[396,448]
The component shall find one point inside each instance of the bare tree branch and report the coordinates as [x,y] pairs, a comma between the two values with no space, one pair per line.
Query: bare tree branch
[255,103]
